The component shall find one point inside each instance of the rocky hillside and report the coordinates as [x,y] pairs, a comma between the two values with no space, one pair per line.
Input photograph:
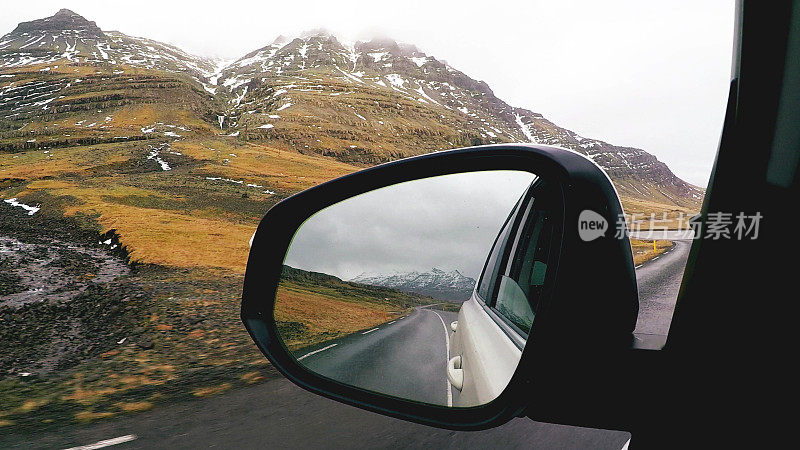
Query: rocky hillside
[65,82]
[451,286]
[375,101]
[69,37]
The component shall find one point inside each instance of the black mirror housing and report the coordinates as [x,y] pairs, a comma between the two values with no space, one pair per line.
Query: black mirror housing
[592,308]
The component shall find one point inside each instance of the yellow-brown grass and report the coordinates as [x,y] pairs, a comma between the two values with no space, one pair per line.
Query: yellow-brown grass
[251,377]
[88,396]
[643,250]
[133,406]
[157,236]
[666,216]
[38,164]
[88,416]
[32,404]
[325,316]
[208,237]
[277,169]
[211,390]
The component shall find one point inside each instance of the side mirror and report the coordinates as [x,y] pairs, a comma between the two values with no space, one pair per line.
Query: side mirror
[350,285]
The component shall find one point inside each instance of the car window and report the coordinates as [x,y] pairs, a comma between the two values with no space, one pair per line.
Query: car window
[521,288]
[512,304]
[494,261]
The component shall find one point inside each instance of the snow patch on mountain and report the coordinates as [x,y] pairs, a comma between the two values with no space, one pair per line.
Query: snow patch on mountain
[436,283]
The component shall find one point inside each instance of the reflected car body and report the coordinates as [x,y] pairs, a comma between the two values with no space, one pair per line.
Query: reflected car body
[493,325]
[484,354]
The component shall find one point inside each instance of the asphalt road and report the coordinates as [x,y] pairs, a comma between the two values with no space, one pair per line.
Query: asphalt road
[659,281]
[405,357]
[277,414]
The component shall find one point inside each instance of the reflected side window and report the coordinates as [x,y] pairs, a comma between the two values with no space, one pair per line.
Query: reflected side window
[494,262]
[520,288]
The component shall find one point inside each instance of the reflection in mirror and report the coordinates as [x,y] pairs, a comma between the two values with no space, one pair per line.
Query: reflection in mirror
[377,291]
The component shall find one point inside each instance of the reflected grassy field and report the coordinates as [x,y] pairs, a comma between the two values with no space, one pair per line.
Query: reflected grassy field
[311,308]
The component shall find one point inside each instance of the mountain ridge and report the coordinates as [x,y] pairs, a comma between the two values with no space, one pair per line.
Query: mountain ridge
[436,283]
[362,102]
[260,85]
[64,19]
[69,36]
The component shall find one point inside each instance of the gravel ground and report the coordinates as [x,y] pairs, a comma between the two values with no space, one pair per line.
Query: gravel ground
[88,335]
[65,293]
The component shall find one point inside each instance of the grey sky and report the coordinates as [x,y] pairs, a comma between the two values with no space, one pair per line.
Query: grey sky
[445,222]
[647,74]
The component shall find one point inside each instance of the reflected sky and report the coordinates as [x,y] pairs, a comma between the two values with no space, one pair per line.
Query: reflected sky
[447,222]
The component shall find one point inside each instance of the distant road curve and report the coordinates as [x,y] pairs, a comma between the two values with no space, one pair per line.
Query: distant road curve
[659,281]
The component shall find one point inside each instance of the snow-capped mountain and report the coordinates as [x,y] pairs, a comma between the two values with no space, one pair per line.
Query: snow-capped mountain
[69,37]
[451,286]
[63,79]
[64,83]
[379,100]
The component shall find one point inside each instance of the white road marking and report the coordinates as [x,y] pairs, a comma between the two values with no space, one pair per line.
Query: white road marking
[316,351]
[627,444]
[391,322]
[447,347]
[106,443]
[640,265]
[369,331]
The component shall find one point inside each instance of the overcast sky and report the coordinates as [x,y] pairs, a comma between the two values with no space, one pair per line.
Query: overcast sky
[647,74]
[446,222]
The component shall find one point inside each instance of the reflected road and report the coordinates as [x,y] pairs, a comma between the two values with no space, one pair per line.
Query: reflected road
[405,357]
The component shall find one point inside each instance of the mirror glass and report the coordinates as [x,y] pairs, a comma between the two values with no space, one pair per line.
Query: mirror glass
[378,291]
